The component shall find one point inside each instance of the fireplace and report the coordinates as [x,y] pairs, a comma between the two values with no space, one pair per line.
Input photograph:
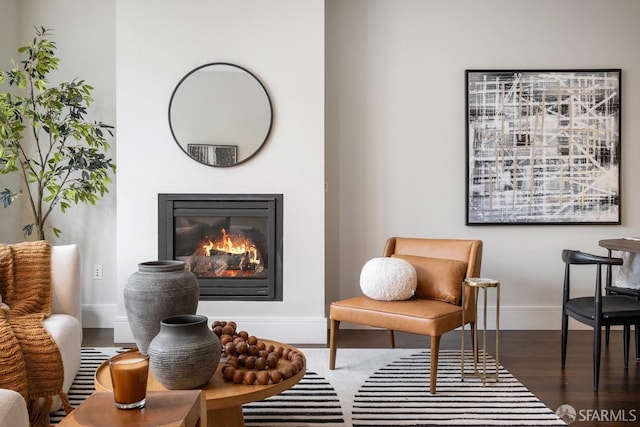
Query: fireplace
[231,242]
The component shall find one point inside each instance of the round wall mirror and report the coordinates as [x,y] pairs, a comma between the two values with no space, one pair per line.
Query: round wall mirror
[220,114]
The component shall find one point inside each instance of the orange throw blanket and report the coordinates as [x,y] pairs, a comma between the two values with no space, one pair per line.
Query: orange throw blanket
[30,361]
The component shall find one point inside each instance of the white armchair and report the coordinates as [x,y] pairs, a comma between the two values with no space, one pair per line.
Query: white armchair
[13,409]
[64,325]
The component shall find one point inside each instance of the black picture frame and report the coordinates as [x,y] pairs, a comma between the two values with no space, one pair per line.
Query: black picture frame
[543,147]
[214,155]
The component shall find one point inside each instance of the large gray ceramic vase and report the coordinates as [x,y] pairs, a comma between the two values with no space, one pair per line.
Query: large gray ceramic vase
[185,353]
[157,290]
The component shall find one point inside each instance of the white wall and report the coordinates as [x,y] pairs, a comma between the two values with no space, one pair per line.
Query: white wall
[10,227]
[8,42]
[85,45]
[395,129]
[281,42]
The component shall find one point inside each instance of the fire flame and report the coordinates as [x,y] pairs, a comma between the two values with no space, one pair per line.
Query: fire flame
[234,245]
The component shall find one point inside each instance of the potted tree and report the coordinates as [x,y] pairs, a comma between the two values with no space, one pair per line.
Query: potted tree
[60,157]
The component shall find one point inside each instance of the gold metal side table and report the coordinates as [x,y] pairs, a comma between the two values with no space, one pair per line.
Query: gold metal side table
[476,283]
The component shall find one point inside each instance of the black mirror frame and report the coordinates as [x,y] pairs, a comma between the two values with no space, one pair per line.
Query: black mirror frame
[266,137]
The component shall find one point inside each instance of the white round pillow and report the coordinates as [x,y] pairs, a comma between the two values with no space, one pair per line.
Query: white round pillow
[388,279]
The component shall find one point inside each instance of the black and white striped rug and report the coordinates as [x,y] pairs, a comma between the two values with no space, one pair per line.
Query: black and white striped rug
[397,394]
[375,387]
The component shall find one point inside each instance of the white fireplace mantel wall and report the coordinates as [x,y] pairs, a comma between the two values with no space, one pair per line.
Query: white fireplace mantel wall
[154,50]
[394,91]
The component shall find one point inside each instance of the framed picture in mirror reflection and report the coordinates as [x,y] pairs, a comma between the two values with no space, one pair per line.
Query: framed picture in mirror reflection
[214,155]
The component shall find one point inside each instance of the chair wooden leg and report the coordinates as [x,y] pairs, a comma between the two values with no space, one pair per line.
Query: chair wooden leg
[625,344]
[608,277]
[637,328]
[391,338]
[563,339]
[333,337]
[596,356]
[435,347]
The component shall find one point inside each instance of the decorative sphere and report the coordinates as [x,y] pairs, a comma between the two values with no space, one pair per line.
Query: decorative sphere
[388,279]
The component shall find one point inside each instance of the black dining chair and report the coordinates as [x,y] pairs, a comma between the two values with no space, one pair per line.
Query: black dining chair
[598,310]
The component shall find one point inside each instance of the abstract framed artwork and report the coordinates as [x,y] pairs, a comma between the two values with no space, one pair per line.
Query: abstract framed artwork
[543,147]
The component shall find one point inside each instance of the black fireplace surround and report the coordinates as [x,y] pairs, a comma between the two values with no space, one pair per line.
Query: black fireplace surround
[231,242]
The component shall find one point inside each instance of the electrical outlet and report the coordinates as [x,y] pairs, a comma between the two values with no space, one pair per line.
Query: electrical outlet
[97,272]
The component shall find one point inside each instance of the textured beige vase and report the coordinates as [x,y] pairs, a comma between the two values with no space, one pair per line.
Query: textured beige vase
[158,289]
[185,353]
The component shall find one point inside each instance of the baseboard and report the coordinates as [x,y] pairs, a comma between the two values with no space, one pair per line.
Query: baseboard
[313,330]
[528,318]
[292,330]
[515,318]
[99,315]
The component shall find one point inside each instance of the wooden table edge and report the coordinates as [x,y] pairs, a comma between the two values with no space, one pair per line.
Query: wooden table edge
[625,245]
[191,401]
[244,393]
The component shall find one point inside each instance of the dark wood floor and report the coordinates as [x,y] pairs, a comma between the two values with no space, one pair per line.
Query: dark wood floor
[534,358]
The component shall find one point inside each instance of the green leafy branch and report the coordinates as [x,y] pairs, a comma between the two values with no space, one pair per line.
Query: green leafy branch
[44,138]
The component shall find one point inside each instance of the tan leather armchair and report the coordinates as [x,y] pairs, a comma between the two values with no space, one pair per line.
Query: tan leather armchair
[418,315]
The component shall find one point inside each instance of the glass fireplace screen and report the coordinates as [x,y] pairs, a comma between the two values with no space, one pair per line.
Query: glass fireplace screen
[232,243]
[223,246]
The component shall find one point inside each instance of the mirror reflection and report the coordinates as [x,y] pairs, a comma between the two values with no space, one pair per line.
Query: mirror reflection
[220,114]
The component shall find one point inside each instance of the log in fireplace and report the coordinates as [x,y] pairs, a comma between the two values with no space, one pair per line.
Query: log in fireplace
[231,242]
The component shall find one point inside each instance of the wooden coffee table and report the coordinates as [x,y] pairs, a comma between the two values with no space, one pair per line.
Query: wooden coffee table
[224,399]
[175,408]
